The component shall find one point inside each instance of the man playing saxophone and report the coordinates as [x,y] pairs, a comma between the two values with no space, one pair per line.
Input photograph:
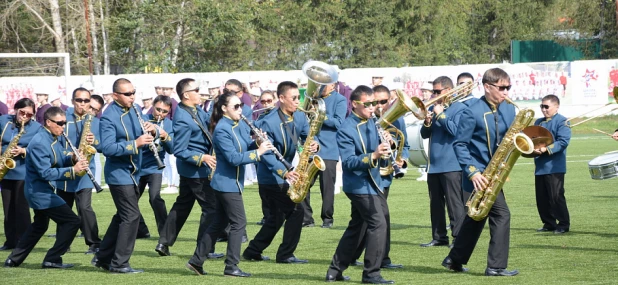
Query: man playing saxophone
[481,128]
[285,127]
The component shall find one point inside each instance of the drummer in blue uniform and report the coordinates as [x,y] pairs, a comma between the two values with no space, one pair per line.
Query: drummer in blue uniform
[47,162]
[550,167]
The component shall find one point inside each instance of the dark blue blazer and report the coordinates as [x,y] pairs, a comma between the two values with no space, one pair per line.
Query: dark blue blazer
[336,108]
[73,129]
[149,163]
[357,139]
[270,170]
[46,163]
[554,160]
[476,142]
[400,124]
[190,143]
[233,148]
[9,131]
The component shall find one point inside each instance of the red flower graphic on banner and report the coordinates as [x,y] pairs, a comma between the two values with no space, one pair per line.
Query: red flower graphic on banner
[589,75]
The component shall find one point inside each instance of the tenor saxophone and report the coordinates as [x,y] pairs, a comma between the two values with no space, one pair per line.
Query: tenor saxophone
[6,160]
[85,147]
[512,146]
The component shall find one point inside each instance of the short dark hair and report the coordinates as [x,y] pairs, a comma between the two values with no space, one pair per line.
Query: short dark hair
[52,112]
[78,90]
[494,75]
[163,99]
[465,75]
[98,98]
[552,98]
[284,87]
[234,82]
[23,103]
[381,89]
[118,82]
[180,86]
[359,91]
[444,81]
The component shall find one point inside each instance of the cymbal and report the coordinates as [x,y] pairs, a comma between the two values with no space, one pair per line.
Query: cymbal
[541,137]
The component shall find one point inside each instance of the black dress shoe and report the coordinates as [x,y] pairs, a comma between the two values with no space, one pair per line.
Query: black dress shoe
[293,260]
[214,255]
[449,264]
[500,272]
[93,249]
[125,270]
[391,266]
[356,263]
[96,263]
[146,235]
[4,247]
[236,273]
[10,263]
[256,257]
[377,280]
[435,243]
[196,268]
[544,230]
[48,264]
[163,250]
[261,222]
[561,231]
[338,277]
[308,225]
[327,225]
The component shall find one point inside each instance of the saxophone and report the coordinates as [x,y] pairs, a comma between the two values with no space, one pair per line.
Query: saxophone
[85,148]
[6,160]
[307,170]
[512,146]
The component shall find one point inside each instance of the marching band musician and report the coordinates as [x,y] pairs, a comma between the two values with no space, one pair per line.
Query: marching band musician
[361,150]
[267,100]
[167,90]
[193,147]
[234,149]
[122,138]
[443,171]
[150,175]
[481,128]
[285,127]
[46,162]
[79,191]
[550,167]
[336,108]
[16,209]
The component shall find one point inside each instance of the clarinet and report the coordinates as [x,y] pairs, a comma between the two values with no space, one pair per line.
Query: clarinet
[397,173]
[263,138]
[151,145]
[80,158]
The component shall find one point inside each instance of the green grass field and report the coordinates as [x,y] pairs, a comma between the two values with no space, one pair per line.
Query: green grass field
[588,254]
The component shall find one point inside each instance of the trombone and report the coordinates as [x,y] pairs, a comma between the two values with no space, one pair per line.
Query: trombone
[453,95]
[614,92]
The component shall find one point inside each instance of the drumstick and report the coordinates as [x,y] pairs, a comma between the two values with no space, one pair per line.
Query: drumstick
[607,134]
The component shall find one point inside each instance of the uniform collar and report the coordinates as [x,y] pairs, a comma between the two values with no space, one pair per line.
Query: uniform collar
[79,118]
[359,118]
[50,133]
[549,119]
[193,108]
[489,104]
[226,118]
[125,109]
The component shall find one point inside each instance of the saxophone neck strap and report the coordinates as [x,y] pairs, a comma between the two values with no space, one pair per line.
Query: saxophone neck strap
[291,132]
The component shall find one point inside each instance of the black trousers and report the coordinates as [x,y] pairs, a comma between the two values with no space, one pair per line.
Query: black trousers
[264,200]
[68,224]
[499,228]
[550,201]
[190,190]
[16,211]
[153,181]
[368,221]
[387,247]
[230,209]
[328,179]
[283,210]
[83,202]
[119,240]
[445,190]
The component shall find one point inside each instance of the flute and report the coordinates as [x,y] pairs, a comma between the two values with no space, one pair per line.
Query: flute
[151,145]
[263,138]
[80,158]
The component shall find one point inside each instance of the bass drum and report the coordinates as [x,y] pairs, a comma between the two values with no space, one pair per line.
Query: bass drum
[419,147]
[604,166]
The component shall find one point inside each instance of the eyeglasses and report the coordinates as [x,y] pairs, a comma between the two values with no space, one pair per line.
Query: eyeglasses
[543,106]
[438,91]
[196,90]
[128,94]
[161,110]
[80,100]
[26,114]
[268,101]
[94,109]
[59,123]
[501,88]
[366,104]
[382,102]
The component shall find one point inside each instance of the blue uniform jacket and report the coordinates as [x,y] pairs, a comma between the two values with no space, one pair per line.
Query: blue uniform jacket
[475,142]
[357,139]
[400,124]
[270,170]
[190,143]
[149,163]
[73,129]
[441,133]
[554,160]
[336,108]
[46,163]
[119,130]
[233,148]
[9,131]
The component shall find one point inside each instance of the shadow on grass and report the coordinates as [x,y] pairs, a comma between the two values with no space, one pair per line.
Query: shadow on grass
[605,197]
[554,247]
[570,233]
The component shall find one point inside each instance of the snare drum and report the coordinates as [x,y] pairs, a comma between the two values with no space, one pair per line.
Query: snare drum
[604,166]
[419,147]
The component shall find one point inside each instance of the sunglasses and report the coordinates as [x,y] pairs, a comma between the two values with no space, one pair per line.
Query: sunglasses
[366,104]
[266,101]
[543,106]
[382,102]
[128,94]
[237,106]
[59,123]
[80,100]
[234,92]
[438,91]
[196,90]
[501,88]
[161,110]
[26,114]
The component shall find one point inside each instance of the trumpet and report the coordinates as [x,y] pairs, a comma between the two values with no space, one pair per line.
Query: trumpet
[151,145]
[80,158]
[614,92]
[454,95]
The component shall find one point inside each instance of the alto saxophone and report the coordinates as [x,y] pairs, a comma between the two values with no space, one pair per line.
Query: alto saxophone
[85,147]
[512,146]
[6,160]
